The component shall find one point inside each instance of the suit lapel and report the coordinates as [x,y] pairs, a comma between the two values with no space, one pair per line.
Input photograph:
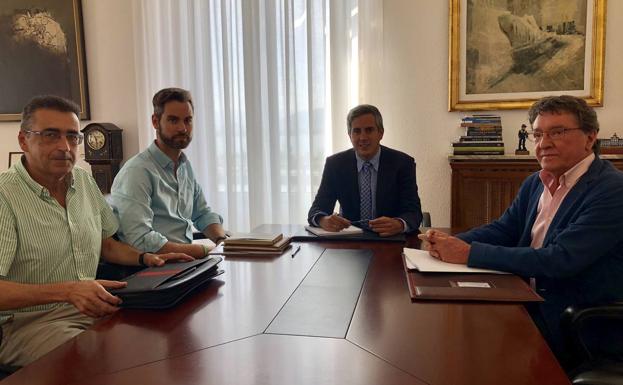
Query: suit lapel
[533,203]
[382,181]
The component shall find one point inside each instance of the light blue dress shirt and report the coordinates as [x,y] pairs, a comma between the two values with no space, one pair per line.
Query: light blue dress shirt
[154,205]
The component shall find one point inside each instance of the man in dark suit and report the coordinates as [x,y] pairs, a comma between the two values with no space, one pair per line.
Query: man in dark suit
[564,228]
[371,182]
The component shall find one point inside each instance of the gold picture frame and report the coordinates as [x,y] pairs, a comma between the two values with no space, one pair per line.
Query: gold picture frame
[42,44]
[548,61]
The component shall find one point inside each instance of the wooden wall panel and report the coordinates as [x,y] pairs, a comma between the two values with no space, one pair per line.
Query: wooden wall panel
[483,188]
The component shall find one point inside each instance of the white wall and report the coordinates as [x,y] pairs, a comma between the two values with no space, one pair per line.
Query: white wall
[110,67]
[414,94]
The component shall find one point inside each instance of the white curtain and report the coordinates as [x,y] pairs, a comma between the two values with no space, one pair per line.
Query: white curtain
[264,75]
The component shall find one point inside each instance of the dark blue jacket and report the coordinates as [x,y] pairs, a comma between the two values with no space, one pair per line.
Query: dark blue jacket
[396,189]
[581,261]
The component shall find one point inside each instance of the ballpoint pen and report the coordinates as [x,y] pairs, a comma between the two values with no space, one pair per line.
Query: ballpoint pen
[298,248]
[362,224]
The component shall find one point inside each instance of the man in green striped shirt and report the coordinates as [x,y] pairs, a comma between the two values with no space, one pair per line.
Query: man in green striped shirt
[54,226]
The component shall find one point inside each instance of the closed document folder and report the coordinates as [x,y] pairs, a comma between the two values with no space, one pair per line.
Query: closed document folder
[468,287]
[164,286]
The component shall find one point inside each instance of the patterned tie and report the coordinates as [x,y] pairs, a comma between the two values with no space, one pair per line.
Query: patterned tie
[365,191]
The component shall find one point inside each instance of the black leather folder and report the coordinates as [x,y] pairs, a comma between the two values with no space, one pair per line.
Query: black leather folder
[304,235]
[163,287]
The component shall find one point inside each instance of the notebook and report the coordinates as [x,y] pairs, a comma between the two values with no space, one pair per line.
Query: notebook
[319,231]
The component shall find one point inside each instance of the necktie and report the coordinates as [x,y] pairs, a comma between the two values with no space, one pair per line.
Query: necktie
[365,191]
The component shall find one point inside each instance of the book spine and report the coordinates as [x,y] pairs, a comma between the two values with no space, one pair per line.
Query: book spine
[478,144]
[481,138]
[478,148]
[481,124]
[479,153]
[483,132]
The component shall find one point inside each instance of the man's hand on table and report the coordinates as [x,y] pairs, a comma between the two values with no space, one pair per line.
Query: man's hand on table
[445,247]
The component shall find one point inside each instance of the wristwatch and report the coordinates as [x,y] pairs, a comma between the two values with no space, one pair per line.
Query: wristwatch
[206,250]
[219,239]
[141,259]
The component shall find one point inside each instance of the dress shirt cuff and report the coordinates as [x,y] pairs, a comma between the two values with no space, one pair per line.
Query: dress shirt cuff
[316,218]
[151,242]
[207,220]
[405,226]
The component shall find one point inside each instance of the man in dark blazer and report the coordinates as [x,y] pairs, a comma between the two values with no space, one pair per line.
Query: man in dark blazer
[564,228]
[371,182]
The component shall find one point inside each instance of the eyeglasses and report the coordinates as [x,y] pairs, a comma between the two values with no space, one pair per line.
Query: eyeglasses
[554,134]
[52,136]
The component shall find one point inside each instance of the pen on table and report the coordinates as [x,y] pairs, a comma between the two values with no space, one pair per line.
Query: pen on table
[298,248]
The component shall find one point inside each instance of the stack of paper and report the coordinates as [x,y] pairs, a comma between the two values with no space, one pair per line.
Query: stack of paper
[422,260]
[351,230]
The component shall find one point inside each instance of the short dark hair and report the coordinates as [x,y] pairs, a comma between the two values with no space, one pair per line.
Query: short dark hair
[585,114]
[50,102]
[165,95]
[364,109]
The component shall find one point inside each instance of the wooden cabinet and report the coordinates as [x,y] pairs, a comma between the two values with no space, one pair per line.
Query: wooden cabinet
[484,186]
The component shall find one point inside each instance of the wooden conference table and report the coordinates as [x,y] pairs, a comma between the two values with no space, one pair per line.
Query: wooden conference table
[251,327]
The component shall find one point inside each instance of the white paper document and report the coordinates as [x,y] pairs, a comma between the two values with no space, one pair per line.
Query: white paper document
[421,260]
[319,231]
[480,285]
[203,241]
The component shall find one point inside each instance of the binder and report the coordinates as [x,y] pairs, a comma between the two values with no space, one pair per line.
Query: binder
[164,286]
[468,287]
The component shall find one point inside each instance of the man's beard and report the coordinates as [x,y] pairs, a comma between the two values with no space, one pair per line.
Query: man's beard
[178,142]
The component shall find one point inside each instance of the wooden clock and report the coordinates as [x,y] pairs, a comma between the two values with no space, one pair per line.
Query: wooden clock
[103,150]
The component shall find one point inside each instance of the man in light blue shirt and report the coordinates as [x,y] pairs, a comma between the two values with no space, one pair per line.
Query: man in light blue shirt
[155,195]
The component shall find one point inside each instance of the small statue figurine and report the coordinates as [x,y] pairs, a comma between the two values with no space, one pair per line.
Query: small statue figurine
[521,147]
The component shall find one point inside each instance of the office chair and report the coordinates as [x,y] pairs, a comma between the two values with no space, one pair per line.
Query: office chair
[426,219]
[596,364]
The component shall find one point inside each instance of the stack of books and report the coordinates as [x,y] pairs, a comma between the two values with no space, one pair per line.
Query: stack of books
[254,244]
[483,136]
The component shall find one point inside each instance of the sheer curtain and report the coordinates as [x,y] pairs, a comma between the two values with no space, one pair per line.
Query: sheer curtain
[264,75]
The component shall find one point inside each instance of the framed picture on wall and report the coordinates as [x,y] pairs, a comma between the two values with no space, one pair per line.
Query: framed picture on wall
[42,49]
[505,54]
[14,157]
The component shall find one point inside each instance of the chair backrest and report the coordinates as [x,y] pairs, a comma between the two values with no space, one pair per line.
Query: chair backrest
[7,370]
[426,219]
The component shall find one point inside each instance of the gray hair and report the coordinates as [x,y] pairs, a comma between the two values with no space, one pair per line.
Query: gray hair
[49,102]
[364,109]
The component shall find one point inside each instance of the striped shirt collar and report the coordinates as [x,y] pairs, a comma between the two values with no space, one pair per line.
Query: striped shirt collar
[569,178]
[38,189]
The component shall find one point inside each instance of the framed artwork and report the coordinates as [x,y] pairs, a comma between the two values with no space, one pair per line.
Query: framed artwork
[42,49]
[14,157]
[506,54]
